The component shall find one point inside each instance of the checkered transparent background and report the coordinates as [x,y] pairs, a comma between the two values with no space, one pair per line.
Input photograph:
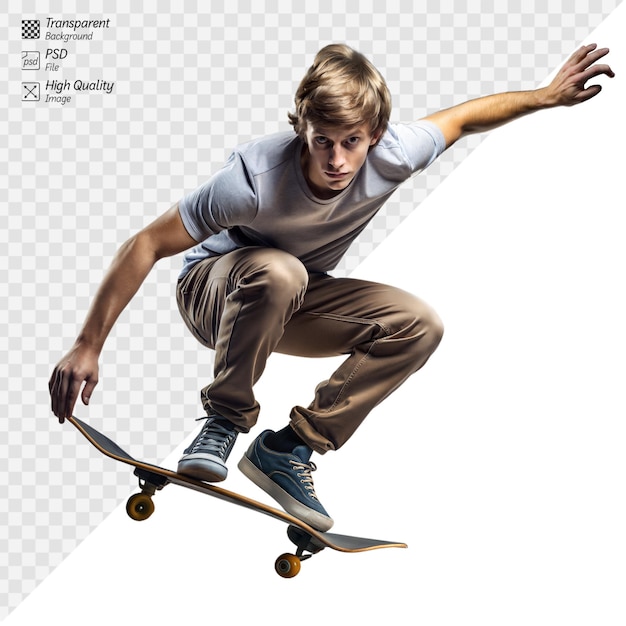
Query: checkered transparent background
[77,180]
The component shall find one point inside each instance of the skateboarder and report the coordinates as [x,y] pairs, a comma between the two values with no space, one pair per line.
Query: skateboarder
[262,235]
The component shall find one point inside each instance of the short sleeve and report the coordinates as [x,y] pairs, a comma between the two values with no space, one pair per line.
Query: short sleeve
[421,142]
[227,199]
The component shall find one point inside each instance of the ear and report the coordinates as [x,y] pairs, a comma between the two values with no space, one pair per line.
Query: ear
[375,137]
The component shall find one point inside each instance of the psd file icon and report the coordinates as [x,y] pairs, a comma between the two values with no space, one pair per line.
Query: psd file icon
[31,60]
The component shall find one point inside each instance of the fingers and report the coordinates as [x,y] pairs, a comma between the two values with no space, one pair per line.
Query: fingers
[64,389]
[596,70]
[54,385]
[588,69]
[63,393]
[596,56]
[73,389]
[87,391]
[582,52]
[589,93]
[588,55]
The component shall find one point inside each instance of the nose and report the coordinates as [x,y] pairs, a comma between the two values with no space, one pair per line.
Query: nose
[336,157]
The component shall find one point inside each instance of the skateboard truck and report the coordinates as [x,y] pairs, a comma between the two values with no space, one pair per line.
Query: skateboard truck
[288,565]
[303,541]
[140,506]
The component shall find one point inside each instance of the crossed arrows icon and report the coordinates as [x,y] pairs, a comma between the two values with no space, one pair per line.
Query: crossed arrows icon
[31,91]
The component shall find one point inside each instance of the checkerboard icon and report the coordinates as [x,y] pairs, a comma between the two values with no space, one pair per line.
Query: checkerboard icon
[30,29]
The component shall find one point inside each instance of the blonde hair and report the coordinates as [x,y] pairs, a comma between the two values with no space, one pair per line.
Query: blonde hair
[341,88]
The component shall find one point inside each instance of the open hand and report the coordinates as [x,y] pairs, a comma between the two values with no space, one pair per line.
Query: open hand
[568,86]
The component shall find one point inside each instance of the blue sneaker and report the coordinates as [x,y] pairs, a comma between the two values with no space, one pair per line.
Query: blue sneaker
[205,458]
[287,478]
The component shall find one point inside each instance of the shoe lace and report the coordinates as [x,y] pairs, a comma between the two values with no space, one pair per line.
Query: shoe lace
[304,474]
[214,438]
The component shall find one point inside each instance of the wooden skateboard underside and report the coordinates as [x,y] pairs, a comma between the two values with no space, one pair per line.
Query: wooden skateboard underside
[153,478]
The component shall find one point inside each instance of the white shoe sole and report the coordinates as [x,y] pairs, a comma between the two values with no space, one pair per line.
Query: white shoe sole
[203,467]
[289,503]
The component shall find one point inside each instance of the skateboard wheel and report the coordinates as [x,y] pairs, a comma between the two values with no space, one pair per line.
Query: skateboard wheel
[287,565]
[140,507]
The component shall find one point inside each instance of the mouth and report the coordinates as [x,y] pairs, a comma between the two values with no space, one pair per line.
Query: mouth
[336,175]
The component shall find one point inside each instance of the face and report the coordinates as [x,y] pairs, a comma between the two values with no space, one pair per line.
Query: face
[333,157]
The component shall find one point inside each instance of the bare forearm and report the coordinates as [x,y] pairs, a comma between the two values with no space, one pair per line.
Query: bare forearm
[164,237]
[129,268]
[484,114]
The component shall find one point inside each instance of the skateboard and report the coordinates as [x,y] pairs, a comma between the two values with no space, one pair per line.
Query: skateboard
[153,478]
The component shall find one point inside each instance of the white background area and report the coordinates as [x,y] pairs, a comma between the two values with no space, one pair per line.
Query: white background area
[501,464]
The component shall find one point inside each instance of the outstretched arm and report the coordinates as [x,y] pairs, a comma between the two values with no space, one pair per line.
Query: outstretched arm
[566,89]
[166,236]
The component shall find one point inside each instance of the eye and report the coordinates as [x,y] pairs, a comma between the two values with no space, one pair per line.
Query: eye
[353,141]
[321,141]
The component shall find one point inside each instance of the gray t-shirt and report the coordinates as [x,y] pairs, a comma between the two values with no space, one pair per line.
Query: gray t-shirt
[260,197]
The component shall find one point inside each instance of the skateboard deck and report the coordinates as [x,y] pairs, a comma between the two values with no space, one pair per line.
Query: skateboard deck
[152,478]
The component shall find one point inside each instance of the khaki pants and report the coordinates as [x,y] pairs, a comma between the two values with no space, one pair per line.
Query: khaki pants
[254,301]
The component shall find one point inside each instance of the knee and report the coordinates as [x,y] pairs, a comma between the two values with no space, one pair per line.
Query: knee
[434,327]
[279,277]
[424,327]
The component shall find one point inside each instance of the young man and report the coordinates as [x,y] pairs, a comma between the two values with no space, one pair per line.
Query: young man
[264,232]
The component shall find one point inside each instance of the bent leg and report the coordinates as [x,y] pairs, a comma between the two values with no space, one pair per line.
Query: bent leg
[238,304]
[388,334]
